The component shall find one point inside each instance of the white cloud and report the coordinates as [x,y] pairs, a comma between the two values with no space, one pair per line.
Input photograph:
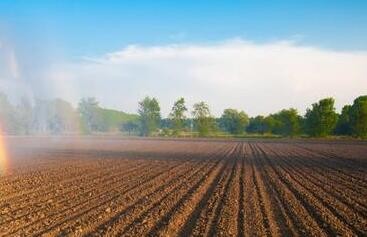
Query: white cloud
[257,78]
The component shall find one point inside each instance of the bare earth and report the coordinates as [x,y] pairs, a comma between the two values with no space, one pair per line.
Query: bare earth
[151,187]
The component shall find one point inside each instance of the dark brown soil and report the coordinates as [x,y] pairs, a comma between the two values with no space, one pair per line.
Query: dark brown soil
[150,187]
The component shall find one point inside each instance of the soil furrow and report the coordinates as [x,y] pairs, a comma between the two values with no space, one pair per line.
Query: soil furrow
[54,194]
[113,186]
[340,193]
[99,197]
[340,213]
[241,198]
[303,218]
[149,218]
[121,201]
[281,214]
[340,187]
[183,210]
[325,218]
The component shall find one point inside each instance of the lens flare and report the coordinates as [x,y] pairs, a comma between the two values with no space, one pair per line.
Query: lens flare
[3,155]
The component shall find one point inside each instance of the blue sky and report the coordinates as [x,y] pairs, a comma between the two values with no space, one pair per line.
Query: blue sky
[94,27]
[48,43]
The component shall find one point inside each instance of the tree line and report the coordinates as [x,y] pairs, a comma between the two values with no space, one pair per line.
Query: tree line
[320,120]
[59,117]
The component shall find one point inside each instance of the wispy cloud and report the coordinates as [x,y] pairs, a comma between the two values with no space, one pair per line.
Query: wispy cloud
[10,73]
[258,78]
[9,62]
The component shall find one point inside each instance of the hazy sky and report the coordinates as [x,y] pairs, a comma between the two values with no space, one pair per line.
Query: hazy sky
[258,56]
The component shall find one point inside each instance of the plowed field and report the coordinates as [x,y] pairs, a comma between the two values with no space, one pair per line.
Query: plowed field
[151,187]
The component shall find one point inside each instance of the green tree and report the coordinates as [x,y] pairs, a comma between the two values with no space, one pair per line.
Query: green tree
[203,120]
[54,116]
[322,118]
[62,117]
[343,126]
[177,115]
[257,125]
[149,112]
[271,124]
[90,114]
[131,127]
[358,116]
[288,122]
[234,121]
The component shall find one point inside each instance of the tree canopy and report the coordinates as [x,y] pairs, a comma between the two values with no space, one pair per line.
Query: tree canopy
[343,126]
[257,125]
[287,122]
[321,118]
[358,116]
[90,114]
[177,115]
[203,120]
[149,112]
[234,121]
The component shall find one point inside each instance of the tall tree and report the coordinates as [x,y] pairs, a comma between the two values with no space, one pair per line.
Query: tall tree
[358,116]
[203,120]
[288,122]
[272,124]
[149,112]
[177,115]
[322,118]
[91,115]
[63,117]
[343,126]
[234,121]
[54,116]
